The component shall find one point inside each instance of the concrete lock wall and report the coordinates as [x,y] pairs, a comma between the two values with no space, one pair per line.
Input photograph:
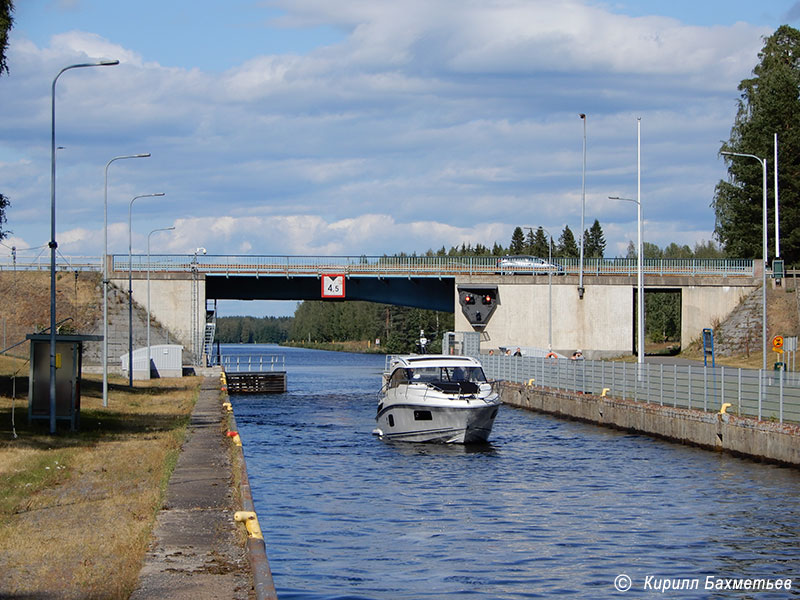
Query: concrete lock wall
[602,321]
[171,302]
[779,442]
[705,306]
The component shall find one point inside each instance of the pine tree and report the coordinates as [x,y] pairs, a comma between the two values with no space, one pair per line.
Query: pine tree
[768,104]
[517,242]
[594,242]
[529,242]
[540,244]
[567,247]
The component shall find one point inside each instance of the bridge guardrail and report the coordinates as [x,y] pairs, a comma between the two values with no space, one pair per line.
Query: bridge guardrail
[42,263]
[754,393]
[417,266]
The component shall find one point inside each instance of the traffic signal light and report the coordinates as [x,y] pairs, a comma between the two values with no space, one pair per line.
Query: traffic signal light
[478,303]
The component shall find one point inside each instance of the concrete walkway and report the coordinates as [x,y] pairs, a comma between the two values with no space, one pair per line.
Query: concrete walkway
[196,552]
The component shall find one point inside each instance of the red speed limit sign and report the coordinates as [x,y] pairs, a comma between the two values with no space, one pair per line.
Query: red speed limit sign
[777,342]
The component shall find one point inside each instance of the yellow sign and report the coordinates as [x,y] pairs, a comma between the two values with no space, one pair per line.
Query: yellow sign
[777,342]
[778,350]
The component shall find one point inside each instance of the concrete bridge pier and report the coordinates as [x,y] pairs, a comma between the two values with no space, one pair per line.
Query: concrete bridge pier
[177,301]
[603,323]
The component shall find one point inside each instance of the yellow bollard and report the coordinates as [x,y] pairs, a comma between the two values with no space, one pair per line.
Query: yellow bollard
[250,521]
[605,391]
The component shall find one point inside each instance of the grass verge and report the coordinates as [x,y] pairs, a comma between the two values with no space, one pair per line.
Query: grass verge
[77,508]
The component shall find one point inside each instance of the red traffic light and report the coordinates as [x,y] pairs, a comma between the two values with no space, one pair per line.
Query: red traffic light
[487,299]
[469,299]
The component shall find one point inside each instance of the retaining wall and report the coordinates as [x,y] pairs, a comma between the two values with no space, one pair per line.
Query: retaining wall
[772,441]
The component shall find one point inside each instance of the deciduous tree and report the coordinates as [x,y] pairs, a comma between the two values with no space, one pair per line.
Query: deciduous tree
[6,21]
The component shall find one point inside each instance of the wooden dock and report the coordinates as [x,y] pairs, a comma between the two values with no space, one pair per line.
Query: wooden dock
[254,374]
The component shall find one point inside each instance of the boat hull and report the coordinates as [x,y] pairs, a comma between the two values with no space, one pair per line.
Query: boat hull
[409,422]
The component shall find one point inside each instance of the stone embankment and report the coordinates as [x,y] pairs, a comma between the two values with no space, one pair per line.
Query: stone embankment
[765,440]
[118,330]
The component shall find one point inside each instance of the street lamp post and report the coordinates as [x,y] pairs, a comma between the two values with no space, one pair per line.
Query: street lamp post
[763,162]
[130,285]
[581,289]
[639,278]
[53,245]
[104,260]
[777,213]
[549,291]
[148,287]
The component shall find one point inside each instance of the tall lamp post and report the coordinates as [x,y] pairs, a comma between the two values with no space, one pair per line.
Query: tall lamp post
[130,285]
[763,162]
[639,282]
[53,245]
[581,289]
[148,286]
[104,260]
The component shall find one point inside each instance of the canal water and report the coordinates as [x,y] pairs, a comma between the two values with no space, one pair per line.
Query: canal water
[546,508]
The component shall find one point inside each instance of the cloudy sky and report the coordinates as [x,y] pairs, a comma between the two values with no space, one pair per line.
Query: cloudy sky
[370,126]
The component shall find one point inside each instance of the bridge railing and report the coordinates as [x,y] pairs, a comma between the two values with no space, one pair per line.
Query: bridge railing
[754,393]
[417,266]
[42,263]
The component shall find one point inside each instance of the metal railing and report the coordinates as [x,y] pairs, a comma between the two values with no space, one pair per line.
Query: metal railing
[42,263]
[380,266]
[765,395]
[419,266]
[252,363]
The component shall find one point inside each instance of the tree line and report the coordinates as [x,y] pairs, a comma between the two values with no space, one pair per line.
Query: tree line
[253,330]
[395,328]
[536,242]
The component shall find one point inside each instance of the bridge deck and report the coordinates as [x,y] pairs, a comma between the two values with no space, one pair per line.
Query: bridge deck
[419,266]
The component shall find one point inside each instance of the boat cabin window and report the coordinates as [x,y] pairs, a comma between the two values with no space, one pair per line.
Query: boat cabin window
[399,376]
[473,374]
[437,374]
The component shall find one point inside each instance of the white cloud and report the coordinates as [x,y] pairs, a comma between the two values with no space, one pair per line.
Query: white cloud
[432,123]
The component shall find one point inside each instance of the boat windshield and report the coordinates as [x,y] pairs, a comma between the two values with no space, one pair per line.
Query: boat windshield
[436,374]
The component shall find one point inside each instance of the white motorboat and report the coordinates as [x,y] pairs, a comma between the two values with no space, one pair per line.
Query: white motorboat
[436,398]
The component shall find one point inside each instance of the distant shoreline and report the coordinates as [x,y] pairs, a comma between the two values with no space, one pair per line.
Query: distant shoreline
[356,346]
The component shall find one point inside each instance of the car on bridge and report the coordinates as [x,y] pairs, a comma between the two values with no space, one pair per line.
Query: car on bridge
[526,265]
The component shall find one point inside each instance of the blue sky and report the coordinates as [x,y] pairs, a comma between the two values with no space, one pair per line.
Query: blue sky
[371,126]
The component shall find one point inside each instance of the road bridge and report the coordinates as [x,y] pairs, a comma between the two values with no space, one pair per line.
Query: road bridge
[603,321]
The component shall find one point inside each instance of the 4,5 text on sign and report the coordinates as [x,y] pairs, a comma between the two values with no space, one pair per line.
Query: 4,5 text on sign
[333,286]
